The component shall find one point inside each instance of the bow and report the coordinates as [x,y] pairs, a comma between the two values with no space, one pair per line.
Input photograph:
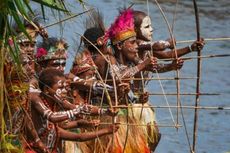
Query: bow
[198,77]
[178,83]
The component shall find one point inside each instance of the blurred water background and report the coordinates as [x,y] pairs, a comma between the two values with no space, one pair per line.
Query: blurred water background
[213,125]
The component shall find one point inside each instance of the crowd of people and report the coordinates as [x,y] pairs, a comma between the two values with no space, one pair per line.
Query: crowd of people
[101,105]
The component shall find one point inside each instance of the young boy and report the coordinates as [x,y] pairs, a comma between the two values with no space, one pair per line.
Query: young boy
[52,83]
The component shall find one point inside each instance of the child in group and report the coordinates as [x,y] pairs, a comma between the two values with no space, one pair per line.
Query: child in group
[52,83]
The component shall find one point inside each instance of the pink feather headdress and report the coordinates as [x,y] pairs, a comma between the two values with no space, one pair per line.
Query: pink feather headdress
[122,28]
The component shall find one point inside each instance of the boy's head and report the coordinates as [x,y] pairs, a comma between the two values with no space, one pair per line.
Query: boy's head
[53,83]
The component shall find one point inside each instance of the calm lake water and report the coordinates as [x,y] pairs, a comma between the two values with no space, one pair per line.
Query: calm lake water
[213,125]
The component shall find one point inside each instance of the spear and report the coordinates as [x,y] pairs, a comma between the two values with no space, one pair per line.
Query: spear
[162,78]
[183,106]
[67,18]
[206,39]
[132,124]
[60,21]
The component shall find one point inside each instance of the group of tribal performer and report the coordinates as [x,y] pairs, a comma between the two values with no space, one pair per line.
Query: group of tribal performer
[126,53]
[39,109]
[101,105]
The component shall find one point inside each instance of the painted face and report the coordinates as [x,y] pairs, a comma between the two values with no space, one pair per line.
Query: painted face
[57,64]
[27,48]
[89,74]
[146,28]
[28,65]
[59,89]
[129,49]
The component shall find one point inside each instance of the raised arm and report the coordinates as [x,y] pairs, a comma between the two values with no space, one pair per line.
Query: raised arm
[84,84]
[54,117]
[171,53]
[176,64]
[60,116]
[127,72]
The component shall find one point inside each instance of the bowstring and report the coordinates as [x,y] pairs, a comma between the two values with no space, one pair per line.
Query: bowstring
[174,44]
[178,83]
[158,76]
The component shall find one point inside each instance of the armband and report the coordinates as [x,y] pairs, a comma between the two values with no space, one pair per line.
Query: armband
[165,43]
[102,111]
[190,48]
[75,78]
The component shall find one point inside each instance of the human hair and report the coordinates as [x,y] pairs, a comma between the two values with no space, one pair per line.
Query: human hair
[47,77]
[92,35]
[95,30]
[138,17]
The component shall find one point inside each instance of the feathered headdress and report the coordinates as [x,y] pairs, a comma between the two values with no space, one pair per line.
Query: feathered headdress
[51,48]
[122,28]
[95,29]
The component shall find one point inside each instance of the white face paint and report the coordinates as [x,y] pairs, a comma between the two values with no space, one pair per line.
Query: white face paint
[59,83]
[59,64]
[61,90]
[146,28]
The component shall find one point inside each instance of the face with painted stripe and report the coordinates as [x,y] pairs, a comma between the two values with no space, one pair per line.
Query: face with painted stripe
[128,49]
[57,64]
[28,65]
[59,88]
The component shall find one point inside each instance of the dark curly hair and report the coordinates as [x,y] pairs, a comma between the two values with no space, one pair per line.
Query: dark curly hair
[47,77]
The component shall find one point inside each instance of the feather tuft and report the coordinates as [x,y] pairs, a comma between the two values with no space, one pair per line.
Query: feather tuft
[124,22]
